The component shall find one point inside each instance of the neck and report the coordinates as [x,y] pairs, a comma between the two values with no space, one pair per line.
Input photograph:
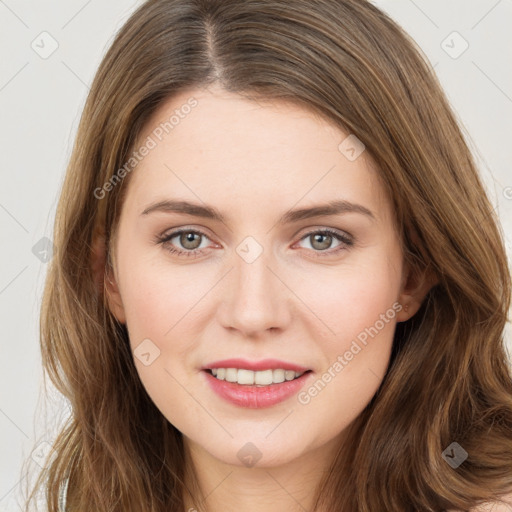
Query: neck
[286,487]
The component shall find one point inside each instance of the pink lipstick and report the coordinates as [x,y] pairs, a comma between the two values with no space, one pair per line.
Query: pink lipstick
[255,384]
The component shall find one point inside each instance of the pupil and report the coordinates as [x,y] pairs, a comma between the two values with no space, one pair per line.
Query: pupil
[188,238]
[326,243]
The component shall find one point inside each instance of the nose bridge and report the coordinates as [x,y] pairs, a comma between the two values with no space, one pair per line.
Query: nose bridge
[257,299]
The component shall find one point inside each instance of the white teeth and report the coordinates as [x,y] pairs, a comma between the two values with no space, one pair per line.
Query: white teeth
[263,378]
[289,374]
[278,375]
[245,377]
[259,378]
[231,374]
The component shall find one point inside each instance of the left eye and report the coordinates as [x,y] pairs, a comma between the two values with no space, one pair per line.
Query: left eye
[324,238]
[190,241]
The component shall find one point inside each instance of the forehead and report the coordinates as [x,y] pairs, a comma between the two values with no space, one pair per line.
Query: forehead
[216,145]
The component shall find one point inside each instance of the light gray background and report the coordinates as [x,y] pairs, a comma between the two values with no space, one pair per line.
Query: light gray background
[41,101]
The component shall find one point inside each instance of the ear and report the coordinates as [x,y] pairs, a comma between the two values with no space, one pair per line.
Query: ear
[415,286]
[104,277]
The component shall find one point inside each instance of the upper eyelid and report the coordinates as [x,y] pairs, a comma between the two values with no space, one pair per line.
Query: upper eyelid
[166,235]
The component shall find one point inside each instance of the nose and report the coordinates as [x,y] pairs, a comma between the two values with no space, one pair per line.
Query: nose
[256,296]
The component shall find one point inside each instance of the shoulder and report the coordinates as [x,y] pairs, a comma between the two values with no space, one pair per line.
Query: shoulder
[494,506]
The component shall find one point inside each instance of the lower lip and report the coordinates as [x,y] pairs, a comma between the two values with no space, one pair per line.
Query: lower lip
[256,397]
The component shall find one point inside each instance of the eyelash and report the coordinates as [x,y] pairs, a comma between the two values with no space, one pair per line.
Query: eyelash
[346,240]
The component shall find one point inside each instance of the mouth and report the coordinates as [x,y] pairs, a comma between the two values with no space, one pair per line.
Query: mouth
[260,378]
[255,389]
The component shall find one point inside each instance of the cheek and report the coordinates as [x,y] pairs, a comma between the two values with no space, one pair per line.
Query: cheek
[360,307]
[162,305]
[352,299]
[158,298]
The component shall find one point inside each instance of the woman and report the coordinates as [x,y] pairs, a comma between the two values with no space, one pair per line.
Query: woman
[279,283]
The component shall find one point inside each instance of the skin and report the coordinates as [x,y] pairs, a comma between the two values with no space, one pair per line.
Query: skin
[295,302]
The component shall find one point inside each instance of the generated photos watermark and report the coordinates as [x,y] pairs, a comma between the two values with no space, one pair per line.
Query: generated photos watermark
[305,397]
[151,142]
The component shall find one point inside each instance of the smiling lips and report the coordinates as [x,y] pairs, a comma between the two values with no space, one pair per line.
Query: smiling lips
[255,384]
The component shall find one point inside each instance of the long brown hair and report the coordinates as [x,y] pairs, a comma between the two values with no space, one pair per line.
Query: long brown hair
[448,378]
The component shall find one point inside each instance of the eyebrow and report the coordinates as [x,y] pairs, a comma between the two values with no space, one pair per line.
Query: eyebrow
[334,207]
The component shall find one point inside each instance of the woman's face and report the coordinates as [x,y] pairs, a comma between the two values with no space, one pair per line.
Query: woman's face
[259,280]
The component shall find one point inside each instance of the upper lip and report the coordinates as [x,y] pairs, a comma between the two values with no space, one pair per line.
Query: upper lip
[264,364]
